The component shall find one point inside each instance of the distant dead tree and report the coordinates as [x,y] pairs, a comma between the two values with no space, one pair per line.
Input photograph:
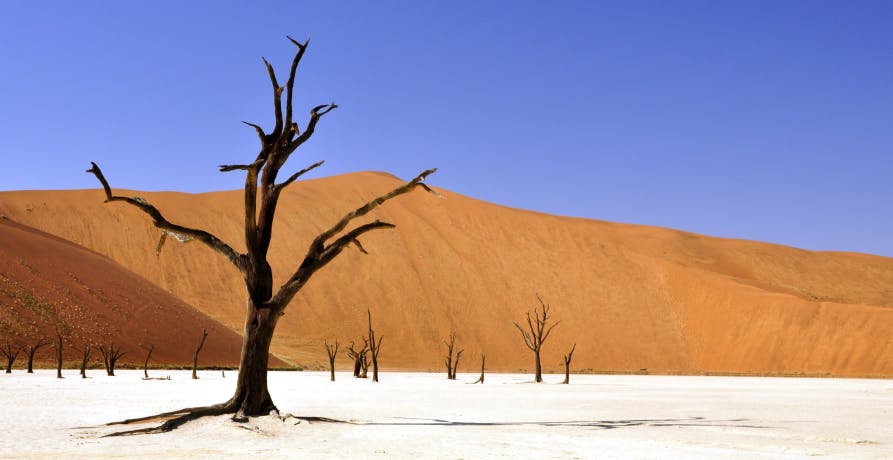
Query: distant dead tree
[354,354]
[364,359]
[567,365]
[58,354]
[146,362]
[195,355]
[84,358]
[110,357]
[32,350]
[483,360]
[265,305]
[332,350]
[374,348]
[11,352]
[537,333]
[448,361]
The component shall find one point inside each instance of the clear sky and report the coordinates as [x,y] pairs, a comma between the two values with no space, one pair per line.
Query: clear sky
[764,120]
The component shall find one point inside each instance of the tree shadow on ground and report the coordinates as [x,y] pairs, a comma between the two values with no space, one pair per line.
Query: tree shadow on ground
[599,424]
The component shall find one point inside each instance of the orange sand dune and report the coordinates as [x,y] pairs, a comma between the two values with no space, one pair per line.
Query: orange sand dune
[47,282]
[632,297]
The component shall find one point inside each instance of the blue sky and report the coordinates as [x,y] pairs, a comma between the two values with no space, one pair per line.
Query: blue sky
[762,120]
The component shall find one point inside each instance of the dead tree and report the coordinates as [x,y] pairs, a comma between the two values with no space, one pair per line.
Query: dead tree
[84,358]
[195,355]
[265,305]
[536,334]
[353,354]
[11,352]
[110,357]
[448,361]
[567,365]
[146,362]
[481,378]
[58,354]
[332,350]
[32,350]
[374,348]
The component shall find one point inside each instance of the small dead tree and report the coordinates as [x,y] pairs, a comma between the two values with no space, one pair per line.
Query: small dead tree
[354,354]
[483,360]
[32,350]
[195,355]
[146,362]
[364,359]
[85,357]
[110,357]
[11,352]
[536,334]
[58,354]
[374,348]
[567,365]
[332,350]
[448,361]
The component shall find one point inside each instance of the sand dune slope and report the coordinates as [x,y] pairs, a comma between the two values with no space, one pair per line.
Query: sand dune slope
[631,297]
[47,282]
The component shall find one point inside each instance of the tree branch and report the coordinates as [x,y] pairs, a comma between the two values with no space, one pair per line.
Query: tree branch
[277,100]
[289,86]
[158,219]
[295,176]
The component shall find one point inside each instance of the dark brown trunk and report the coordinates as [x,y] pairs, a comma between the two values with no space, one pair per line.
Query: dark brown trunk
[567,373]
[146,362]
[483,360]
[539,367]
[332,368]
[357,366]
[195,355]
[252,397]
[31,352]
[84,359]
[59,356]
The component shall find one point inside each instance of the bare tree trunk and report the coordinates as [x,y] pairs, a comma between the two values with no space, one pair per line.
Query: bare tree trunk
[456,364]
[84,359]
[483,360]
[32,350]
[11,352]
[332,351]
[567,365]
[252,396]
[538,378]
[357,357]
[58,355]
[195,355]
[374,348]
[146,362]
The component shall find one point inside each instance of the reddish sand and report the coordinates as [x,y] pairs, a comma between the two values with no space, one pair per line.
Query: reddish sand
[47,281]
[632,297]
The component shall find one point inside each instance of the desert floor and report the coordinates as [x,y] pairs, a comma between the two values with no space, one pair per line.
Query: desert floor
[425,416]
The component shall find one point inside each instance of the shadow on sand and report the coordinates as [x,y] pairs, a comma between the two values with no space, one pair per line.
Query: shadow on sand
[600,424]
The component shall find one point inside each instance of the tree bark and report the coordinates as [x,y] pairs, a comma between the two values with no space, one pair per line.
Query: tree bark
[32,350]
[146,362]
[332,351]
[483,360]
[195,355]
[567,365]
[58,355]
[252,397]
[84,358]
